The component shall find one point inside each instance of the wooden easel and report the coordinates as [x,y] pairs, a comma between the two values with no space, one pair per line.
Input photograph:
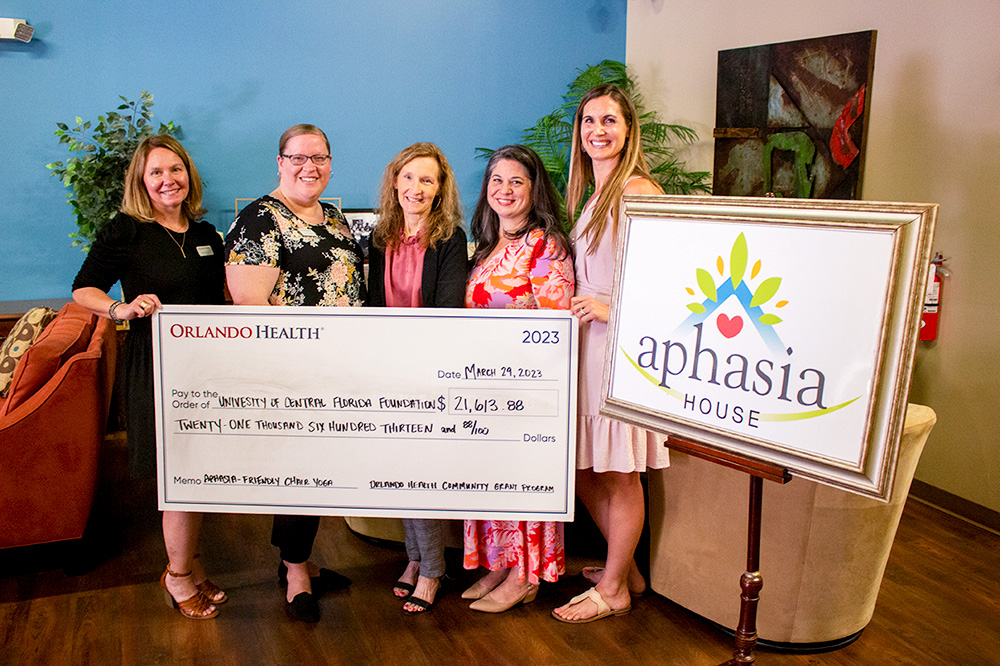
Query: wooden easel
[751,581]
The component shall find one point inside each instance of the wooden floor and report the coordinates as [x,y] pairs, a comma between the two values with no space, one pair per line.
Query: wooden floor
[99,603]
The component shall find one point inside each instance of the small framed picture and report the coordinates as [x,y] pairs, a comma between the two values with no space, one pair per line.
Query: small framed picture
[361,221]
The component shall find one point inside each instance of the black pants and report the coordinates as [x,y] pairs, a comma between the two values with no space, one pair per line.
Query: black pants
[294,536]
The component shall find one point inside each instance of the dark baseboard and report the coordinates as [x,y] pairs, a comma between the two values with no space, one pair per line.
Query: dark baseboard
[20,307]
[798,648]
[956,505]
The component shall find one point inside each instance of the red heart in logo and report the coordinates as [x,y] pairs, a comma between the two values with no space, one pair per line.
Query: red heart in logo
[729,327]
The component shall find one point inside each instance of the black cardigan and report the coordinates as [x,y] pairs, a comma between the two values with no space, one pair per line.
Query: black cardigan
[442,280]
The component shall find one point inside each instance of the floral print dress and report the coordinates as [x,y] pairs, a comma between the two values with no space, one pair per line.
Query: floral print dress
[528,273]
[320,264]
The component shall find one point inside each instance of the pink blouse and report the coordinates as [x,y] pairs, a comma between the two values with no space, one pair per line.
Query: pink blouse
[404,266]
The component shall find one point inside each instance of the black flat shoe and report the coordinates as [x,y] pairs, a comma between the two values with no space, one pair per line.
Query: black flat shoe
[303,607]
[328,580]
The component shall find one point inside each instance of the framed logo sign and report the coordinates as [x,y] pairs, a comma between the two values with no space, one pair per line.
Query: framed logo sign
[779,330]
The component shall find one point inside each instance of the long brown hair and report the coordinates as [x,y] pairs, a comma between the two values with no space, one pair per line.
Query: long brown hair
[631,162]
[136,202]
[545,213]
[446,210]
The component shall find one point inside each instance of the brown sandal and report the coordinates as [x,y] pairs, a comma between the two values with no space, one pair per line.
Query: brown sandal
[210,590]
[197,607]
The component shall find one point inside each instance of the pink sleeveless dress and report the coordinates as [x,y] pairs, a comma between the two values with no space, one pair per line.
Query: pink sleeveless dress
[603,444]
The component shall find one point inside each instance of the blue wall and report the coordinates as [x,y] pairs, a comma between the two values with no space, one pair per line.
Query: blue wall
[376,76]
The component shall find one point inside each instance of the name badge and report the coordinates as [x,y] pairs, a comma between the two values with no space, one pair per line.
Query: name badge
[205,251]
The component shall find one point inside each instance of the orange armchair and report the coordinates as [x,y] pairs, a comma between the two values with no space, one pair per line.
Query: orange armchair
[51,427]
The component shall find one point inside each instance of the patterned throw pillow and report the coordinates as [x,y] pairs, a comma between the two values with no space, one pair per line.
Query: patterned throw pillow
[23,335]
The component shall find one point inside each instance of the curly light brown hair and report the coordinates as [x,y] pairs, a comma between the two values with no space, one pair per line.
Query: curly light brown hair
[446,210]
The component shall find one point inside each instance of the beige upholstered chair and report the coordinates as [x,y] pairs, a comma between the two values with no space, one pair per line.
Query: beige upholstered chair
[391,529]
[823,551]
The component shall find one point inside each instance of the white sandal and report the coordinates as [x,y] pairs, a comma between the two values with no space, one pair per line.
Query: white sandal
[603,609]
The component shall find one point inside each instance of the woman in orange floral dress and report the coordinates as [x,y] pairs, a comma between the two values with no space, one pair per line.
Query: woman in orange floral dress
[522,260]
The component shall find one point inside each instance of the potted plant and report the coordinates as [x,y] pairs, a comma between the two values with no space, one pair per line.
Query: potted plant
[97,175]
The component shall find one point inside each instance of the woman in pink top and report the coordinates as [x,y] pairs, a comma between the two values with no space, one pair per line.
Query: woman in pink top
[419,258]
[522,260]
[607,153]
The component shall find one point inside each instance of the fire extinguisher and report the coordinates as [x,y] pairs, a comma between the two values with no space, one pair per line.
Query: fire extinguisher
[932,299]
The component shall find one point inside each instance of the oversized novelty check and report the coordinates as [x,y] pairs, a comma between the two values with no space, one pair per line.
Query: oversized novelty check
[420,413]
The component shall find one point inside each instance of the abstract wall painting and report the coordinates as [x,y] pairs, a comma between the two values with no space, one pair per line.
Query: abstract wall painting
[792,118]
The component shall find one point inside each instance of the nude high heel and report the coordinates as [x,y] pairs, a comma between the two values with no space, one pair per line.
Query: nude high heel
[490,605]
[477,591]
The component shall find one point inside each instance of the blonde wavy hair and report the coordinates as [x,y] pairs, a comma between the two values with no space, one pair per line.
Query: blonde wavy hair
[136,202]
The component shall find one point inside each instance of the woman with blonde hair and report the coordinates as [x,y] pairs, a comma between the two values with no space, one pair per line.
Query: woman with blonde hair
[419,258]
[162,253]
[607,153]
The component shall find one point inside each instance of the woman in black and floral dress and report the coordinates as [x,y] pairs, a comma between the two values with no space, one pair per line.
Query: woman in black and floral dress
[287,248]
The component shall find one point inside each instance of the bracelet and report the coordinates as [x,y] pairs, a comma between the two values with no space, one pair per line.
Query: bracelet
[111,311]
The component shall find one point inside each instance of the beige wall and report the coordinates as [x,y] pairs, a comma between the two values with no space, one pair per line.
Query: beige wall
[934,136]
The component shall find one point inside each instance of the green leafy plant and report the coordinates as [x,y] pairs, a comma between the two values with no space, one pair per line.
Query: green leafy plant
[552,134]
[96,175]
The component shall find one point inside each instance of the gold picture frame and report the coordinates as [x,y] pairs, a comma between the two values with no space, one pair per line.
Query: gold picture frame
[779,330]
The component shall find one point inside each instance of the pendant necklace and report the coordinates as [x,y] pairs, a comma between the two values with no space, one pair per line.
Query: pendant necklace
[180,246]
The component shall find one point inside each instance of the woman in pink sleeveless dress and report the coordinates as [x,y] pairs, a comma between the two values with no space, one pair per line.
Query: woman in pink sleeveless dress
[607,154]
[522,260]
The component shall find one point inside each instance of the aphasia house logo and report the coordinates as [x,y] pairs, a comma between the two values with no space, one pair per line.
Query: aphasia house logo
[724,383]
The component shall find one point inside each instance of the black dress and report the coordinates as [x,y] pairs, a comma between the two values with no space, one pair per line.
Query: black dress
[148,259]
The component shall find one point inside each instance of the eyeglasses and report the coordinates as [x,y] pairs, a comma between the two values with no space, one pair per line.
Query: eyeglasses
[299,160]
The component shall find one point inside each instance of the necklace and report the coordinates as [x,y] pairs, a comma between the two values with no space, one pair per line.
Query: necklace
[180,246]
